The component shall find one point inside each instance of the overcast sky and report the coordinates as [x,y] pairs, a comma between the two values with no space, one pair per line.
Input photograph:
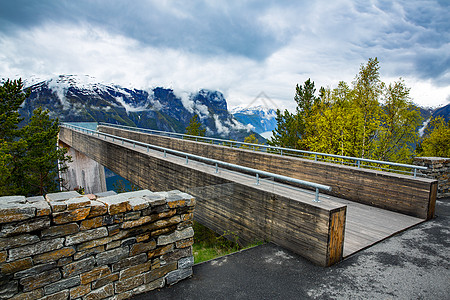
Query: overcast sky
[241,48]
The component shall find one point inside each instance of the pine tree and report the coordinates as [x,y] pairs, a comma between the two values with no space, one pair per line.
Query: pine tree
[29,157]
[43,158]
[195,127]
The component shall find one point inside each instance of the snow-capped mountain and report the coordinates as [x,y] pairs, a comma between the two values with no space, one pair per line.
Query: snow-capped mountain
[259,118]
[82,99]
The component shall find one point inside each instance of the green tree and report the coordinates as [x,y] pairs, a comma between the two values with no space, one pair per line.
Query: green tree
[195,127]
[397,134]
[29,157]
[287,133]
[251,139]
[43,159]
[437,142]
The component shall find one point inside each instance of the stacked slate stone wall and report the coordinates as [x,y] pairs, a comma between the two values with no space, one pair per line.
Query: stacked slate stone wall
[439,169]
[68,246]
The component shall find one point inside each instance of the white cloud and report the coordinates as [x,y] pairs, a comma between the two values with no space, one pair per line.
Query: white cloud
[282,44]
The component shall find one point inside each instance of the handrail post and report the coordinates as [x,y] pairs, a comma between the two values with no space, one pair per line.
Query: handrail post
[316,199]
[415,172]
[165,155]
[257,179]
[358,162]
[217,168]
[315,157]
[187,160]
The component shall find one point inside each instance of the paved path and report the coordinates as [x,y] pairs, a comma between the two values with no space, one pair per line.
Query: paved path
[414,264]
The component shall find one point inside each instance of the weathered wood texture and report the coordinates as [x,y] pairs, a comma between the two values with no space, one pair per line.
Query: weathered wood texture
[313,230]
[396,192]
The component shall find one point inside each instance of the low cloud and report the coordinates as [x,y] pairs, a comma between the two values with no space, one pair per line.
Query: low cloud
[237,47]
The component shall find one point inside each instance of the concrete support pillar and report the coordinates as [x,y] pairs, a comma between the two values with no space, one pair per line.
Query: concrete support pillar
[83,173]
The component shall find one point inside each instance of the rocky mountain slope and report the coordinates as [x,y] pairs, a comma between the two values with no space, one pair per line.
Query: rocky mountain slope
[82,99]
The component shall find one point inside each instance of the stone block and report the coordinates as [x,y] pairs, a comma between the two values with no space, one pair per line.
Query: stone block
[11,212]
[147,287]
[71,215]
[128,242]
[129,261]
[105,280]
[142,237]
[164,223]
[112,256]
[176,236]
[61,196]
[64,261]
[129,283]
[137,194]
[160,272]
[79,291]
[97,209]
[185,243]
[88,235]
[58,206]
[62,230]
[40,280]
[16,266]
[156,199]
[25,226]
[101,293]
[89,252]
[112,245]
[134,270]
[79,202]
[63,295]
[113,229]
[35,199]
[95,274]
[91,223]
[135,223]
[133,215]
[16,241]
[13,199]
[186,262]
[116,204]
[177,275]
[33,249]
[8,288]
[160,251]
[174,201]
[139,203]
[163,231]
[113,219]
[35,270]
[33,295]
[78,267]
[176,255]
[142,247]
[105,194]
[62,285]
[3,256]
[54,255]
[42,208]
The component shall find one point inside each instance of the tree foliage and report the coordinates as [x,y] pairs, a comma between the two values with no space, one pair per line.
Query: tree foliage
[195,127]
[368,119]
[29,157]
[437,142]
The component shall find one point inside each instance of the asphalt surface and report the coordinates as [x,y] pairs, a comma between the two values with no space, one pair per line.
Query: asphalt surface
[414,264]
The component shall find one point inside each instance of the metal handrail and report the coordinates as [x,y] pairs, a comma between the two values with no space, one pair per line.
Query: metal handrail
[215,162]
[357,161]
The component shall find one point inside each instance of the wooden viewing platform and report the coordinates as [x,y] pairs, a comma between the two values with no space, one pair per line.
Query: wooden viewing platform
[323,232]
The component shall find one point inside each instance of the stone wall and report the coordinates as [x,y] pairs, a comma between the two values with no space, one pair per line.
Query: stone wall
[69,246]
[438,168]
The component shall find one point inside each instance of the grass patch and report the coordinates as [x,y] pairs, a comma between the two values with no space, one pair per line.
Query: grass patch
[209,245]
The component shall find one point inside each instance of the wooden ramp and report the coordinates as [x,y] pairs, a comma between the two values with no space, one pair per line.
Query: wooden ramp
[365,225]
